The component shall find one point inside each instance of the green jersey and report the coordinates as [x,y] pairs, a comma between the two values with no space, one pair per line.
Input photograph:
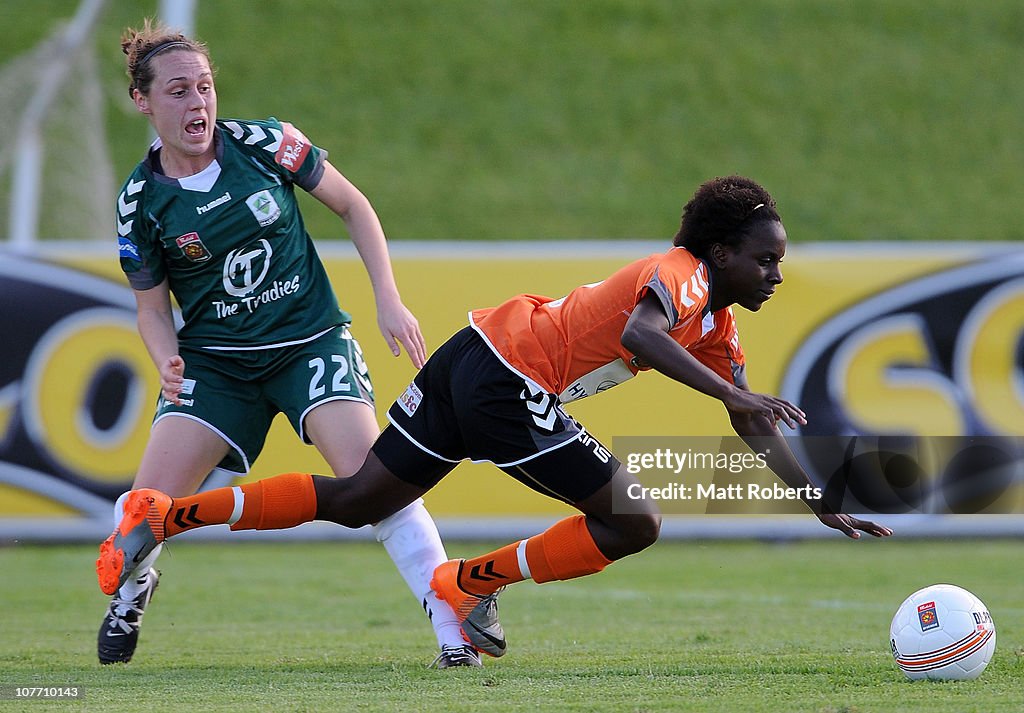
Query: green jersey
[230,240]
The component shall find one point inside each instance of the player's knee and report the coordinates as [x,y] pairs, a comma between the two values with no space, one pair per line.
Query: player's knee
[637,532]
[358,501]
[645,530]
[337,502]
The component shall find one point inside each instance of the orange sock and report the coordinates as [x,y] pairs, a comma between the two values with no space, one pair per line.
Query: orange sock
[272,504]
[488,573]
[565,550]
[213,507]
[277,503]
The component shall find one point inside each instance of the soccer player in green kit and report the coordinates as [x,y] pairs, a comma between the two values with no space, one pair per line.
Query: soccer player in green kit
[210,216]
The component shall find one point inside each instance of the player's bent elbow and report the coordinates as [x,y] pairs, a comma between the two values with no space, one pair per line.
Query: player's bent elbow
[631,338]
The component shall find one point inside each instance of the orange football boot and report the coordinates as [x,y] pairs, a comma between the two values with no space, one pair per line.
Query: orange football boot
[141,529]
[477,614]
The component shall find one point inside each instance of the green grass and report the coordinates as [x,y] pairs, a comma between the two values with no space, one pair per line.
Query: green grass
[540,119]
[726,627]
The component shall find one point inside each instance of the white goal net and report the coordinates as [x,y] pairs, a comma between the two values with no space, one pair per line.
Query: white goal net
[56,174]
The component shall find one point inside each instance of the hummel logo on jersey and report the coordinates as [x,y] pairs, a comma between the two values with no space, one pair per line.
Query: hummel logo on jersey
[696,288]
[541,407]
[200,209]
[487,573]
[189,519]
[255,135]
[125,209]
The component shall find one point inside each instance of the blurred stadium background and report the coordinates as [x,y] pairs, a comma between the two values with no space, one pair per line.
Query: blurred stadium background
[529,147]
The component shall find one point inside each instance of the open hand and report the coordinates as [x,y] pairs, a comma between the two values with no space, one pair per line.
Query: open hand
[849,525]
[399,326]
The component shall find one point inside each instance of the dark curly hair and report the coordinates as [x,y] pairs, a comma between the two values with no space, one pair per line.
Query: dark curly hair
[722,211]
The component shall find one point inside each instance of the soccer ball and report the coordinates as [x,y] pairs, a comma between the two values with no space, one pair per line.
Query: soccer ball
[942,633]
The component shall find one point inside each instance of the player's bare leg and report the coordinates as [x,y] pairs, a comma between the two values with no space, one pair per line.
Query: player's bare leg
[179,472]
[573,547]
[343,431]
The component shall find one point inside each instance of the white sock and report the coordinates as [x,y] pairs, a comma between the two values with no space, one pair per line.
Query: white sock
[134,584]
[410,538]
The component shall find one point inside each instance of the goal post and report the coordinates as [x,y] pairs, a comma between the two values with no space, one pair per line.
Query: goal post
[55,58]
[59,151]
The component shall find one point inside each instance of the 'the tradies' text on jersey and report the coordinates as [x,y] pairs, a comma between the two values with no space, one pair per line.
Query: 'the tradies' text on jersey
[230,240]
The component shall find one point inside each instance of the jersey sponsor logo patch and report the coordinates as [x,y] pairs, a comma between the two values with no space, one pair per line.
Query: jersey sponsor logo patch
[600,379]
[264,208]
[127,249]
[410,399]
[192,247]
[293,149]
[246,268]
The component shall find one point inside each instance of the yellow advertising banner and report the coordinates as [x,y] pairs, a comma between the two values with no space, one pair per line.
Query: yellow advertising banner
[925,339]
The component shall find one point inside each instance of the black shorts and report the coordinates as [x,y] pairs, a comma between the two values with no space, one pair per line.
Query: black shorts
[466,403]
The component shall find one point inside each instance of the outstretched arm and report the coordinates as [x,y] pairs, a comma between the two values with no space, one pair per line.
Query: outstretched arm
[753,415]
[396,323]
[763,436]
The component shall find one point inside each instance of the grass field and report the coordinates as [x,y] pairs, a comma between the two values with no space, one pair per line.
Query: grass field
[544,119]
[724,627]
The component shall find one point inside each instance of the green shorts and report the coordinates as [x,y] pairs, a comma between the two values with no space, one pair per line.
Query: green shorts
[237,394]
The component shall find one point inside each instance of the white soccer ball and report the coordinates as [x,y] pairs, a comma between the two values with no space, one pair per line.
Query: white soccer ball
[942,633]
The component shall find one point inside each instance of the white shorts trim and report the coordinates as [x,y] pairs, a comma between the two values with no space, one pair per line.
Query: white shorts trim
[533,455]
[473,460]
[232,444]
[420,445]
[272,346]
[302,416]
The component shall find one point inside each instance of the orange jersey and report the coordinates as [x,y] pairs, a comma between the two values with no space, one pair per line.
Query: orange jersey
[572,346]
